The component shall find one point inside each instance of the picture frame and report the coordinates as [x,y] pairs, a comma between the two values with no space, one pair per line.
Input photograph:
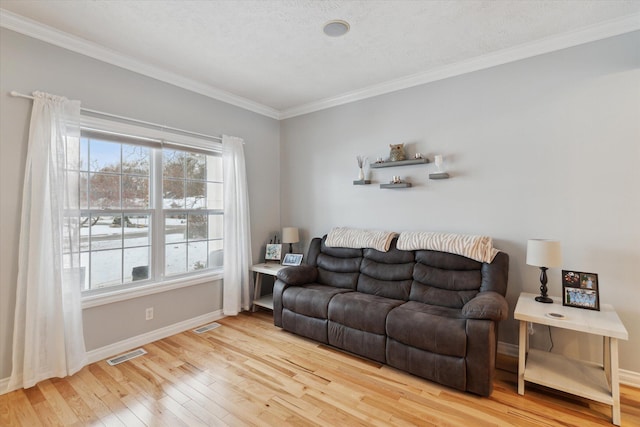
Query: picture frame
[580,290]
[292,260]
[273,252]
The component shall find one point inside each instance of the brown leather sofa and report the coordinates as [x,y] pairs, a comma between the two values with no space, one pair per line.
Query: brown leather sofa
[430,313]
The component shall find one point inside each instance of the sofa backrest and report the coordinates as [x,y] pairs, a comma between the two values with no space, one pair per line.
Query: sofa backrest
[387,274]
[339,267]
[432,277]
[451,280]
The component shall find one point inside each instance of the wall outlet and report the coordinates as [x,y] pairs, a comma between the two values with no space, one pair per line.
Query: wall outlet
[148,313]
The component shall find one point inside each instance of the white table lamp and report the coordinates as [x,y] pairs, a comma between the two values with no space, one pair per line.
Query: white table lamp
[544,254]
[290,235]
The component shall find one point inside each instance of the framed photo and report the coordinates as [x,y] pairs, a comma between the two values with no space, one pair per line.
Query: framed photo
[580,289]
[273,252]
[292,259]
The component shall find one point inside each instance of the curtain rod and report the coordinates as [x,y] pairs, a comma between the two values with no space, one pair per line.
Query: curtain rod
[115,116]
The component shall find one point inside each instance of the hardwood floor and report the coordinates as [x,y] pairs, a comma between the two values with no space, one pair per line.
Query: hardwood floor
[249,372]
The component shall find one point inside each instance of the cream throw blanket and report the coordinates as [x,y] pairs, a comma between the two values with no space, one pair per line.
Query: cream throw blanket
[342,237]
[479,248]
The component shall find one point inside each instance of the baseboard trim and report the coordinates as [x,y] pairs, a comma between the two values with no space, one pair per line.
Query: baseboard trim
[629,378]
[110,350]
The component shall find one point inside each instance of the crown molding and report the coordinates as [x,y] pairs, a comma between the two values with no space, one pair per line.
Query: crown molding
[576,37]
[610,28]
[50,35]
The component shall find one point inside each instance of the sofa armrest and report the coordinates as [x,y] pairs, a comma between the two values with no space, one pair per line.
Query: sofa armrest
[299,275]
[487,305]
[292,276]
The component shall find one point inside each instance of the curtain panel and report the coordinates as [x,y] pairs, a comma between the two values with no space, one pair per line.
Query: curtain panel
[237,230]
[48,338]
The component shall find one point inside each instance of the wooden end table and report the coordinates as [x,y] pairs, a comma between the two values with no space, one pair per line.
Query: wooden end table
[270,269]
[589,380]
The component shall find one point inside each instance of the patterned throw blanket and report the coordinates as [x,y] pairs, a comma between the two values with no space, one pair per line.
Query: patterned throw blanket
[479,248]
[342,237]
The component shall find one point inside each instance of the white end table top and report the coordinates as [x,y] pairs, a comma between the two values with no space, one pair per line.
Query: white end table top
[604,322]
[267,268]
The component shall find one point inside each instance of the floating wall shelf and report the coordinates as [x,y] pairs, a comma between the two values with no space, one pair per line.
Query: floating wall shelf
[440,175]
[390,164]
[362,182]
[399,185]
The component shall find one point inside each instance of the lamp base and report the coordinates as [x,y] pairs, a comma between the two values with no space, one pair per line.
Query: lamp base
[544,299]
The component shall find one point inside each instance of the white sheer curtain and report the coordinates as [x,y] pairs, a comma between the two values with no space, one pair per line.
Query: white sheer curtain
[237,234]
[48,339]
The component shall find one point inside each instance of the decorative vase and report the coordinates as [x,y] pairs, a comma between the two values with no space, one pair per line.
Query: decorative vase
[361,174]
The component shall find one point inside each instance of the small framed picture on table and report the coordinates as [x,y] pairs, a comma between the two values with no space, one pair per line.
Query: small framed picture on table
[273,252]
[580,290]
[292,259]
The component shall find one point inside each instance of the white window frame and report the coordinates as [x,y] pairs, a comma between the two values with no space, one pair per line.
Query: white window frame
[175,140]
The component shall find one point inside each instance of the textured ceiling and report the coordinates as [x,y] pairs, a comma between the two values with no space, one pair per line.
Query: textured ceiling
[274,53]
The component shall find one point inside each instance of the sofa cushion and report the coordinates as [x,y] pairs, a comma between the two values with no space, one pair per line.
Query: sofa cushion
[386,274]
[361,311]
[432,328]
[447,370]
[339,267]
[310,300]
[365,344]
[446,288]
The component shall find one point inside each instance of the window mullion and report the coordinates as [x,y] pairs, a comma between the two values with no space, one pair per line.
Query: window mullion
[157,243]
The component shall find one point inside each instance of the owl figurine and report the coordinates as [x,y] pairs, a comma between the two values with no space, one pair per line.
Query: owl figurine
[396,153]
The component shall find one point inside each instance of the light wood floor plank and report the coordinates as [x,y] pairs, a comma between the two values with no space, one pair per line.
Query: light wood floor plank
[248,372]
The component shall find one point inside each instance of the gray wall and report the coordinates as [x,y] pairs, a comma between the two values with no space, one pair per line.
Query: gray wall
[547,147]
[27,65]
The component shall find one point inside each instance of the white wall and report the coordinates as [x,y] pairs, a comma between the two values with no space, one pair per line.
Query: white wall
[27,65]
[547,147]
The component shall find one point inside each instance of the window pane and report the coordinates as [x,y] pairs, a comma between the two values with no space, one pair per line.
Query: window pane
[216,225]
[136,232]
[135,192]
[136,264]
[135,159]
[84,190]
[196,166]
[175,258]
[104,156]
[196,195]
[214,168]
[106,268]
[173,194]
[173,163]
[197,256]
[215,253]
[175,228]
[84,264]
[106,232]
[214,196]
[197,227]
[104,191]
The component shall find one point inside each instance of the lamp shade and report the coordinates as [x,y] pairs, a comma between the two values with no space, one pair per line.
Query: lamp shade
[544,253]
[290,235]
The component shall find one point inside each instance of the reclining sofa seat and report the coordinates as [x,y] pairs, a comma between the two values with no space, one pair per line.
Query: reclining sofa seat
[429,313]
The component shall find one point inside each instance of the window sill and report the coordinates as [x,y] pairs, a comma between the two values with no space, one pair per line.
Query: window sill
[90,301]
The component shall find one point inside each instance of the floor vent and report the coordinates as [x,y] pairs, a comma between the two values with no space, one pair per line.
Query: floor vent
[206,328]
[127,356]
